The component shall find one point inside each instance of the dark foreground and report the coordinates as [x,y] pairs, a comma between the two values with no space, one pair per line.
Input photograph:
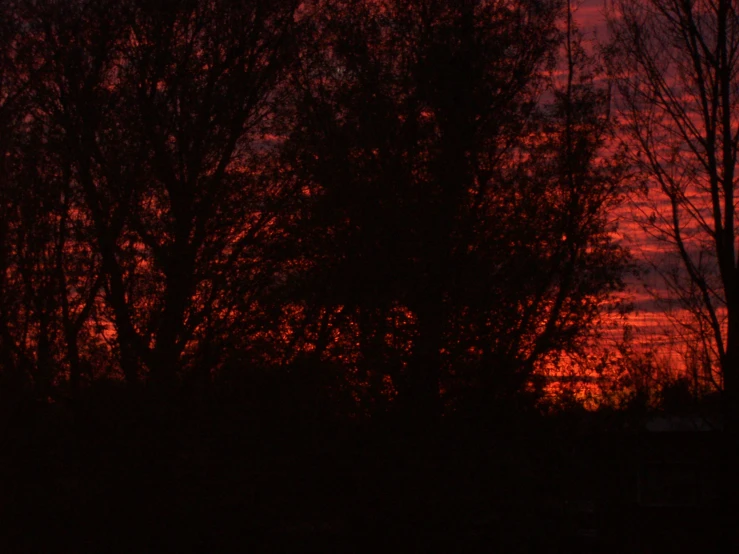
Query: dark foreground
[117,472]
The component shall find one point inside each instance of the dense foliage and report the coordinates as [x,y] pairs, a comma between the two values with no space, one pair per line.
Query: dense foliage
[363,203]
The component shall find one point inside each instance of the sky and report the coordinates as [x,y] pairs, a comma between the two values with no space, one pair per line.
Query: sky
[648,319]
[591,20]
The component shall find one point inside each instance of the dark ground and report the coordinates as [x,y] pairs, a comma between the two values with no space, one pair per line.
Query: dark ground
[111,473]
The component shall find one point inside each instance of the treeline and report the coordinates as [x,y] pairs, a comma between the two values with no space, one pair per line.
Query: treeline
[403,202]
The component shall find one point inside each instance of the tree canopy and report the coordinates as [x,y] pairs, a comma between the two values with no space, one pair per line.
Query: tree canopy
[403,196]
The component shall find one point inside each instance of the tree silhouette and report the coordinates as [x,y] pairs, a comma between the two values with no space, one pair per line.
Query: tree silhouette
[675,65]
[402,195]
[252,252]
[163,116]
[14,357]
[436,197]
[675,68]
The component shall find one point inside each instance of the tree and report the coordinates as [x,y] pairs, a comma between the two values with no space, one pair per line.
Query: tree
[675,66]
[13,357]
[450,214]
[418,198]
[162,117]
[48,283]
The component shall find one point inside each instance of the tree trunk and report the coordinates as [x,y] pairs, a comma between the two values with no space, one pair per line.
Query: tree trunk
[73,358]
[168,349]
[422,395]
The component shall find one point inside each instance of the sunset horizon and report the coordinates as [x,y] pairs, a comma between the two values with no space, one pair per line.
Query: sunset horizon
[335,275]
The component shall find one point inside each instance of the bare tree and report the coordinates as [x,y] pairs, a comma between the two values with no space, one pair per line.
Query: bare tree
[48,283]
[164,117]
[13,357]
[447,186]
[675,64]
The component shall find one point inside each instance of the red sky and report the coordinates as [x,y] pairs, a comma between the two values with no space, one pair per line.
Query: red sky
[648,319]
[590,18]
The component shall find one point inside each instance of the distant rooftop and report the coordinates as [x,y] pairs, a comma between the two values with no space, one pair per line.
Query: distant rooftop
[690,423]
